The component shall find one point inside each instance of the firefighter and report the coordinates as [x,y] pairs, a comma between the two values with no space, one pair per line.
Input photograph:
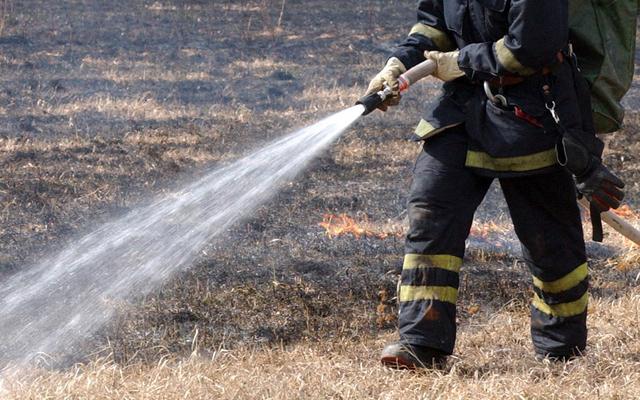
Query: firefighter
[514,108]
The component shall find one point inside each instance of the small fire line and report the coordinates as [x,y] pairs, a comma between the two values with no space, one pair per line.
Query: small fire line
[336,225]
[342,224]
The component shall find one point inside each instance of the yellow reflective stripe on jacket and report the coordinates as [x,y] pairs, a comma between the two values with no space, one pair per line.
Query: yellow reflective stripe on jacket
[509,60]
[438,37]
[567,282]
[440,293]
[563,309]
[478,159]
[425,130]
[441,261]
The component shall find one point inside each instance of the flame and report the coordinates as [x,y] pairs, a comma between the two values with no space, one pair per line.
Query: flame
[484,230]
[342,224]
[625,211]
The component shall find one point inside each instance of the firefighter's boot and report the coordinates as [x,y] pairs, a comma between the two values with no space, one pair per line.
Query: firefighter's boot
[405,356]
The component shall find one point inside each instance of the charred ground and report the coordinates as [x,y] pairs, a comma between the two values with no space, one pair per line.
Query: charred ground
[104,105]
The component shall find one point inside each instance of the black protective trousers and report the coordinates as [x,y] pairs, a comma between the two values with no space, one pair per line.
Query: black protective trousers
[443,198]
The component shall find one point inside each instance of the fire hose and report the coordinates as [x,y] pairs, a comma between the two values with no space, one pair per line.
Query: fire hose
[617,223]
[426,68]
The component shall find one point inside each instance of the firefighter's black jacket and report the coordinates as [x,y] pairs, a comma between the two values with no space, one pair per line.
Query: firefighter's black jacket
[498,38]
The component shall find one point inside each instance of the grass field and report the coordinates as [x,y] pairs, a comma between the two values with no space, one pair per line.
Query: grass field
[104,105]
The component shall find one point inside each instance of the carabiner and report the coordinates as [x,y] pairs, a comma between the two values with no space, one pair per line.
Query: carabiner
[497,99]
[552,109]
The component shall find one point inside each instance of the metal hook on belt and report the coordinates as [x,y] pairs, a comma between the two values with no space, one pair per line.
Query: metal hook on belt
[497,99]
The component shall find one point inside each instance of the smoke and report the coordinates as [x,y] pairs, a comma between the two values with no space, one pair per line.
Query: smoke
[48,308]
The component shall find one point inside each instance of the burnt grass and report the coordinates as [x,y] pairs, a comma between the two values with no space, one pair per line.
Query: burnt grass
[105,105]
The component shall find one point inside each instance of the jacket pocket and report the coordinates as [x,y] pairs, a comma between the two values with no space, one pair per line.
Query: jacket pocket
[515,131]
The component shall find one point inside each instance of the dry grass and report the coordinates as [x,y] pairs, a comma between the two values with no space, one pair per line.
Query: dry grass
[5,6]
[97,117]
[494,362]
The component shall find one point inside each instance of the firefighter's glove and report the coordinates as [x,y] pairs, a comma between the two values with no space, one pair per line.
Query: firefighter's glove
[388,77]
[593,180]
[447,68]
[602,188]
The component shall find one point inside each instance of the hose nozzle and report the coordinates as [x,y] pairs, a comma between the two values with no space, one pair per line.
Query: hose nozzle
[374,100]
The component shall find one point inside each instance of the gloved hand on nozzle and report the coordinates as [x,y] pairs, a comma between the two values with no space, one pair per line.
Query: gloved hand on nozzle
[446,64]
[388,76]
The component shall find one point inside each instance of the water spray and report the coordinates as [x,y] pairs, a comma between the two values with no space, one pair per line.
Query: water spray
[50,307]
